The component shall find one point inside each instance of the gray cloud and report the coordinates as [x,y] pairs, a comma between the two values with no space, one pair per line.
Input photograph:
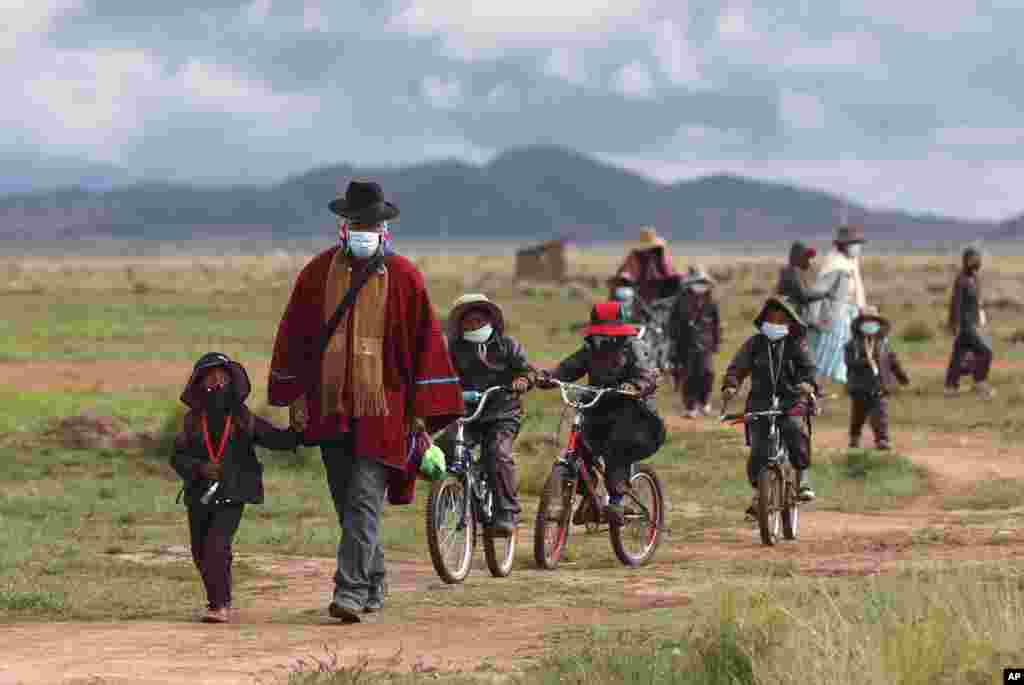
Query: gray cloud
[260,89]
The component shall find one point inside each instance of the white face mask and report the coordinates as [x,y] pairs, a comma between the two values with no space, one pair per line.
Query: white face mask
[363,244]
[699,289]
[480,335]
[775,331]
[870,328]
[624,294]
[854,250]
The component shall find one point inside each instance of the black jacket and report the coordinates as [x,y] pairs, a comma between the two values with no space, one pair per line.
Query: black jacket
[242,477]
[862,381]
[508,359]
[695,325]
[759,358]
[628,364]
[791,284]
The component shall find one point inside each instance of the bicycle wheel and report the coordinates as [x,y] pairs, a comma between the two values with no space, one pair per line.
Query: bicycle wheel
[500,552]
[769,505]
[790,511]
[551,531]
[451,529]
[636,541]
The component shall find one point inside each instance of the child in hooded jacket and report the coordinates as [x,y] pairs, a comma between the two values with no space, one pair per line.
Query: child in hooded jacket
[697,331]
[873,367]
[484,357]
[612,357]
[213,454]
[779,365]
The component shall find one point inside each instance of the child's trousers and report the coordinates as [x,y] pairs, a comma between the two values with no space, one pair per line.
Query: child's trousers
[875,410]
[212,527]
[792,433]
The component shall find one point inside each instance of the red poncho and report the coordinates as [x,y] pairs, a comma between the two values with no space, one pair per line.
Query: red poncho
[418,376]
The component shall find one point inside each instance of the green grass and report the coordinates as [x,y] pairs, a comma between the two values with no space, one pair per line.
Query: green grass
[866,480]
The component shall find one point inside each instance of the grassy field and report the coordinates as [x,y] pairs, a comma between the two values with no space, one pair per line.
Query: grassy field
[70,519]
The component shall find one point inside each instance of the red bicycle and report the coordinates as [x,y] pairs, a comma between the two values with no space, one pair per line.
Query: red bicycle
[572,494]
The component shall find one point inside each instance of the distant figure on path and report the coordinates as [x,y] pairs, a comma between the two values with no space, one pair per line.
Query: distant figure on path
[795,279]
[696,330]
[832,316]
[649,265]
[967,318]
[361,390]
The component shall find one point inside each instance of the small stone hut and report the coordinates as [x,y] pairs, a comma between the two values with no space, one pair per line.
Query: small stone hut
[547,262]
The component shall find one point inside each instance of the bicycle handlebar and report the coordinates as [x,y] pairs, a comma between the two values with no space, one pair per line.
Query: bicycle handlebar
[598,393]
[480,398]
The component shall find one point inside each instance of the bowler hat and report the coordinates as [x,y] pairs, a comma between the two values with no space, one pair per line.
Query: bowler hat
[848,235]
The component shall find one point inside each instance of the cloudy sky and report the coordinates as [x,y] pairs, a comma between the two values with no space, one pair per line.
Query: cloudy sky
[899,103]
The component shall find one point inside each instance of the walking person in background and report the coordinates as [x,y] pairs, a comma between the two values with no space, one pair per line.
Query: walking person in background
[796,279]
[873,370]
[833,315]
[363,389]
[967,318]
[649,265]
[696,329]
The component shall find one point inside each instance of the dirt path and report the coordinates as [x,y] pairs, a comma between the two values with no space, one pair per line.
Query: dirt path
[430,626]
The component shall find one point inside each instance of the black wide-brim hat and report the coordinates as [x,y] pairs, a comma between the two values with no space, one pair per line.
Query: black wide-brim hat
[364,203]
[240,383]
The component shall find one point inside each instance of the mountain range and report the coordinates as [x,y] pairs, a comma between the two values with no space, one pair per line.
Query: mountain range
[523,194]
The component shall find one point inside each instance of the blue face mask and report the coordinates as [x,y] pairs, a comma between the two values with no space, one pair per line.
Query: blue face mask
[480,335]
[363,244]
[774,331]
[870,328]
[623,294]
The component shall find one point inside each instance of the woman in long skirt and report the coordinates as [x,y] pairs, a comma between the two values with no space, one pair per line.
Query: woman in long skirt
[832,317]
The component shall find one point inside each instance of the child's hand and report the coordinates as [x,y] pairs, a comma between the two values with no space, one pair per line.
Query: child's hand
[629,389]
[298,414]
[545,381]
[728,393]
[520,385]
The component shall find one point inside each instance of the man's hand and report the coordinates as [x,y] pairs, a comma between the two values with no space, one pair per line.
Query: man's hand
[417,425]
[210,471]
[298,414]
[629,389]
[520,385]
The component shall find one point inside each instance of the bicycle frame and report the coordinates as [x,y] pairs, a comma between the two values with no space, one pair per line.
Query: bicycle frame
[468,468]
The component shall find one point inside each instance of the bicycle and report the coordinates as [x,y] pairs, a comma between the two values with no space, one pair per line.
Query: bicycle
[584,474]
[461,502]
[778,506]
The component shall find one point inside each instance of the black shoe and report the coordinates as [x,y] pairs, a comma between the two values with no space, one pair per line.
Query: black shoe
[375,602]
[344,613]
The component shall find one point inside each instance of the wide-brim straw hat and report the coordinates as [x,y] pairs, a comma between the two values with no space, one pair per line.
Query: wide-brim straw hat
[649,239]
[871,313]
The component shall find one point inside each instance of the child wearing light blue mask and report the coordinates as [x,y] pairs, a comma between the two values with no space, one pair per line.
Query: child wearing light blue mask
[779,366]
[872,369]
[485,357]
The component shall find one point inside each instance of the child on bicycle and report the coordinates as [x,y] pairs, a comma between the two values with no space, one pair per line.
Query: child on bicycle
[779,365]
[484,356]
[873,368]
[214,456]
[613,357]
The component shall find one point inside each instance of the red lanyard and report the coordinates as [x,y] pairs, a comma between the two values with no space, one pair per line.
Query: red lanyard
[223,440]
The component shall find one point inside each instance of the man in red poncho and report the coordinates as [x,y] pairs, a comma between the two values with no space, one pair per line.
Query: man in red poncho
[359,394]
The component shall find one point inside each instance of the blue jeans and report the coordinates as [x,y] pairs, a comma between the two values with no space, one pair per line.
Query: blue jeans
[358,486]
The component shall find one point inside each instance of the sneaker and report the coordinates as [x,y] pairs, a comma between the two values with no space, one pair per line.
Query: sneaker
[985,391]
[951,391]
[751,511]
[883,447]
[343,612]
[692,414]
[616,515]
[504,525]
[375,602]
[216,615]
[805,493]
[854,443]
[706,409]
